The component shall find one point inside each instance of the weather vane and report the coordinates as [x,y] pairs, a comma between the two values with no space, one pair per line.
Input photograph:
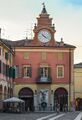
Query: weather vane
[43,4]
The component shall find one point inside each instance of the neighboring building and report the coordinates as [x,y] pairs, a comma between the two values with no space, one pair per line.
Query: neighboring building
[6,86]
[78,85]
[44,68]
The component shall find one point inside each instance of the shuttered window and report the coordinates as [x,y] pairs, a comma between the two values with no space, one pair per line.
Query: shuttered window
[45,72]
[12,72]
[27,71]
[6,55]
[16,67]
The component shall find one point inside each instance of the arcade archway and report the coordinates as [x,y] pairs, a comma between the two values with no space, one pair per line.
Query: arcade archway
[79,104]
[61,98]
[27,94]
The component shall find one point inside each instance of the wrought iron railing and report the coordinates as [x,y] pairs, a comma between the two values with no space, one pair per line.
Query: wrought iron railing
[44,79]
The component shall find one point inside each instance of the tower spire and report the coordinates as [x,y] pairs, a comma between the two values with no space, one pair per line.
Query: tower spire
[44,9]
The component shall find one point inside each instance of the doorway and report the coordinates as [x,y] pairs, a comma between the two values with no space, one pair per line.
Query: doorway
[27,94]
[61,99]
[79,104]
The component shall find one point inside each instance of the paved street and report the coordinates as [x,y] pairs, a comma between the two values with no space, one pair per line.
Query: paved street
[39,116]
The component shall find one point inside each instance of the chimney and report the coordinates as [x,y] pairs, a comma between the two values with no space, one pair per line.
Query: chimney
[61,42]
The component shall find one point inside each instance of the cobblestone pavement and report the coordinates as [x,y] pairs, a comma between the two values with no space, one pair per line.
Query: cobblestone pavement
[39,116]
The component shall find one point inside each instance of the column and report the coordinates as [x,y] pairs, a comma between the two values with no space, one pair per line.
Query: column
[2,92]
[35,101]
[52,99]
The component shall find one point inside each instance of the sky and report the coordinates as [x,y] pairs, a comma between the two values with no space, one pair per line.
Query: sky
[17,19]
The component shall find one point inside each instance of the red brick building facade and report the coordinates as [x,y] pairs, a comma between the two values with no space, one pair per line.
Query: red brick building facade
[44,68]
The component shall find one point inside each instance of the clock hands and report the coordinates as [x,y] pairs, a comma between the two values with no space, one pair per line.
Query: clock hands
[44,36]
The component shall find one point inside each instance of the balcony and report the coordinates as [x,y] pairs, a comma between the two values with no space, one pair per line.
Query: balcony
[44,80]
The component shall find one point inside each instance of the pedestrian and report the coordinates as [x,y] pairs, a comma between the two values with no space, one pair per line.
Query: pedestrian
[65,108]
[58,108]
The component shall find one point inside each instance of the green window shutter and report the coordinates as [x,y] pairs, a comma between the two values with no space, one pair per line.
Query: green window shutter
[10,72]
[30,71]
[40,72]
[49,73]
[13,73]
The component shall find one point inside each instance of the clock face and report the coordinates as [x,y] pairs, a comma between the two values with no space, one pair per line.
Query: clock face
[44,36]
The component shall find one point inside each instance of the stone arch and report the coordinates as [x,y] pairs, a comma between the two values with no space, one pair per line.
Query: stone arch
[25,92]
[61,98]
[78,103]
[28,96]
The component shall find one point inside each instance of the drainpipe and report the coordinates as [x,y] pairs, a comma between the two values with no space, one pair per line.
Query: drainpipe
[71,85]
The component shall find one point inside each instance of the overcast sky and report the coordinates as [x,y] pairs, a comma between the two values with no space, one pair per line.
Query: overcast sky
[17,18]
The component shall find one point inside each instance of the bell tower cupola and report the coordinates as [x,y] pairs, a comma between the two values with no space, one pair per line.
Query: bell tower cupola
[44,30]
[44,9]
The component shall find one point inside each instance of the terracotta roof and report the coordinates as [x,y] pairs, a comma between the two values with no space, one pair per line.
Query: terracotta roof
[30,43]
[79,65]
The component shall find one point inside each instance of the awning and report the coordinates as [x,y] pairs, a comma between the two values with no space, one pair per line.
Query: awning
[13,99]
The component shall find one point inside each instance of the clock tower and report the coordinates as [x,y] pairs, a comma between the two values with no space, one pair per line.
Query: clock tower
[44,30]
[44,68]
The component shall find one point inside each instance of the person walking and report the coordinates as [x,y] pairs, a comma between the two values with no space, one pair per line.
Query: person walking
[58,108]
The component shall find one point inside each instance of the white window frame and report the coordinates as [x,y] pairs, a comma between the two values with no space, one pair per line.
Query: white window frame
[26,67]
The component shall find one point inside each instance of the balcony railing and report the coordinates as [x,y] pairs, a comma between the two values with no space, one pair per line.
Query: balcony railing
[43,79]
